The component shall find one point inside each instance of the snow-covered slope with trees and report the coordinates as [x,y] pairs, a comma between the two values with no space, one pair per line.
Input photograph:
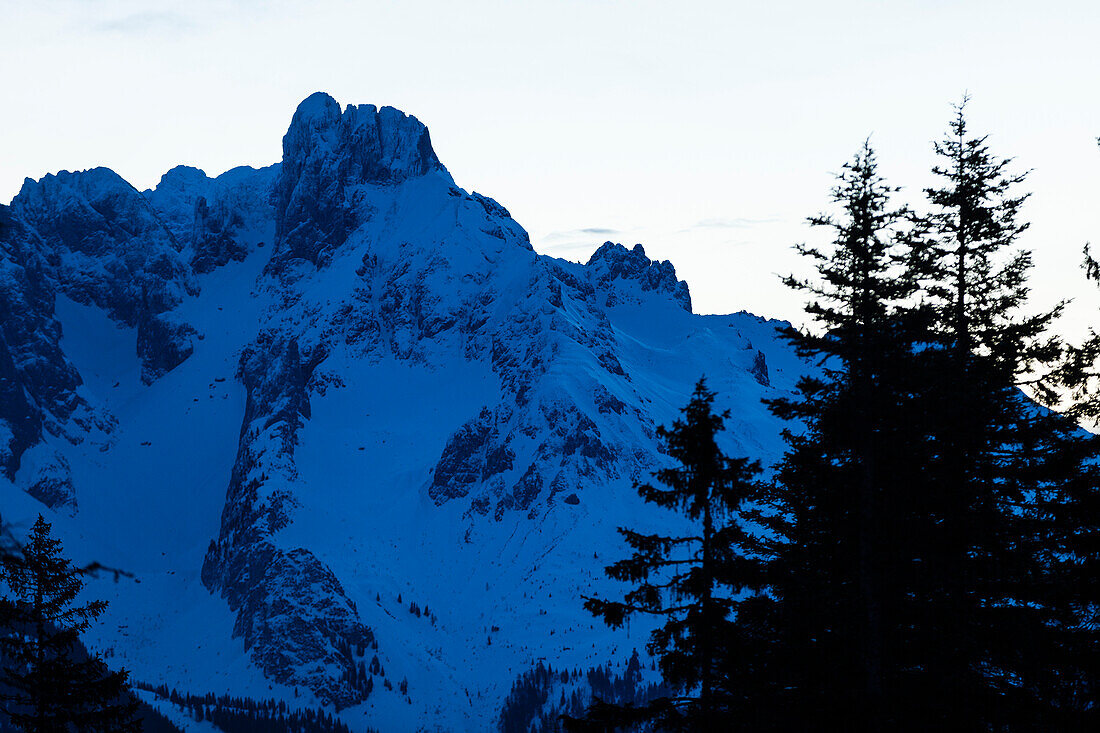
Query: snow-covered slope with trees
[358,442]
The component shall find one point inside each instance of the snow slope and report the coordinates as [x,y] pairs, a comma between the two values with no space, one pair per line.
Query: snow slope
[385,398]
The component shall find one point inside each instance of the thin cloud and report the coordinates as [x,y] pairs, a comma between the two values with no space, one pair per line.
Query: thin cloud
[740,222]
[148,22]
[588,246]
[578,233]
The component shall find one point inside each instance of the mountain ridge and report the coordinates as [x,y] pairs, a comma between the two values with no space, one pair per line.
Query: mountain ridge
[421,403]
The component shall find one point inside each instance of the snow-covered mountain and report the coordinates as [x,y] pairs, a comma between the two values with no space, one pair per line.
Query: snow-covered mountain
[337,414]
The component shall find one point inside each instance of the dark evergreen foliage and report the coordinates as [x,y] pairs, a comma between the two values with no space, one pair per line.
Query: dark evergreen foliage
[49,682]
[152,721]
[929,575]
[693,582]
[1007,638]
[236,714]
[815,652]
[927,555]
[531,708]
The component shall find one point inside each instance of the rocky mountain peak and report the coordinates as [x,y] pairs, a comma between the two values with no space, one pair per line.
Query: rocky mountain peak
[104,243]
[83,210]
[365,143]
[328,156]
[390,398]
[182,178]
[615,269]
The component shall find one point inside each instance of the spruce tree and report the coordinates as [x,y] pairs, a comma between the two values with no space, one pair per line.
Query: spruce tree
[937,526]
[693,582]
[998,622]
[50,683]
[823,639]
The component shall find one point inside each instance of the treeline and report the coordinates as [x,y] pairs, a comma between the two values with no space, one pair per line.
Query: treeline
[926,554]
[356,673]
[236,714]
[541,696]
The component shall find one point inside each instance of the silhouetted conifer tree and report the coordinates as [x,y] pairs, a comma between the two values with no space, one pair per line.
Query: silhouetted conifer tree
[930,569]
[818,650]
[1002,641]
[51,685]
[691,581]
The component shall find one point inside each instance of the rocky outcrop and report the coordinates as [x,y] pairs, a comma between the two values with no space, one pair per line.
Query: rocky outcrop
[759,370]
[50,481]
[540,440]
[474,454]
[22,422]
[215,219]
[305,633]
[163,343]
[613,266]
[292,612]
[212,241]
[175,197]
[38,384]
[104,244]
[327,156]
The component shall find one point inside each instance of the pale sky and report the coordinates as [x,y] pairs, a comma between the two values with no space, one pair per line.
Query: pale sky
[705,130]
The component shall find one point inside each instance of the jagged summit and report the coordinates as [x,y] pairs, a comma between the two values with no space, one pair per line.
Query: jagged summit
[375,145]
[328,157]
[181,178]
[99,178]
[304,400]
[613,265]
[216,220]
[108,245]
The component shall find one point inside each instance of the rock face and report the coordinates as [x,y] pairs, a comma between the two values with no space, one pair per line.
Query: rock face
[332,163]
[23,425]
[175,199]
[38,384]
[105,244]
[327,155]
[51,482]
[91,237]
[163,343]
[428,406]
[440,275]
[291,610]
[760,369]
[211,217]
[616,270]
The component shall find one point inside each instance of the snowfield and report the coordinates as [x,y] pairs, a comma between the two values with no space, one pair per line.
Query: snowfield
[388,399]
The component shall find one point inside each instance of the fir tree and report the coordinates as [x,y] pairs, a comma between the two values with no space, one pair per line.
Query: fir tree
[1001,639]
[821,645]
[51,684]
[691,581]
[930,568]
